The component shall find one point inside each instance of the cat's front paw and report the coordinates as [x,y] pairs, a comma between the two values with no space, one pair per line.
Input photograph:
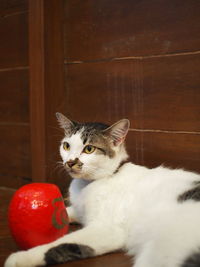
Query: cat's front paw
[20,259]
[16,260]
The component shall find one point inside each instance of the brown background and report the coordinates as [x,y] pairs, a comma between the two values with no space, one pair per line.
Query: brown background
[98,61]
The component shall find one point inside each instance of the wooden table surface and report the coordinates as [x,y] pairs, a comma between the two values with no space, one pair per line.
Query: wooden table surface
[7,245]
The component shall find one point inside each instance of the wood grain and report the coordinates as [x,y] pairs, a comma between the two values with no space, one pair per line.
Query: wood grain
[15,168]
[9,7]
[55,88]
[37,90]
[46,85]
[155,93]
[7,245]
[108,29]
[14,101]
[173,150]
[14,41]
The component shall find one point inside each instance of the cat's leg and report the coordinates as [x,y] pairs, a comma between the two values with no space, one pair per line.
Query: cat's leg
[148,258]
[153,254]
[145,259]
[88,242]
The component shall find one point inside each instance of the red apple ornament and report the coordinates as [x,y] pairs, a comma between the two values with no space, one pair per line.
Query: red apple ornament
[37,215]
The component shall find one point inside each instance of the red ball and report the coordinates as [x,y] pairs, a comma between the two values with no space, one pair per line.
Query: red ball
[37,215]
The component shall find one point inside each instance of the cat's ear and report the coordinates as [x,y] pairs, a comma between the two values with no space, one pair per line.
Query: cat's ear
[118,131]
[64,122]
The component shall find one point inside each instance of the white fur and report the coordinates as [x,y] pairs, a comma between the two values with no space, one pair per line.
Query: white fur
[92,164]
[135,209]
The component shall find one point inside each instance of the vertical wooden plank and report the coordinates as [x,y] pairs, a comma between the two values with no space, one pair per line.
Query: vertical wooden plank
[46,83]
[55,96]
[15,168]
[37,88]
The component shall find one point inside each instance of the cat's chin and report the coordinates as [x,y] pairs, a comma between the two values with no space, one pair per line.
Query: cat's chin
[75,174]
[80,175]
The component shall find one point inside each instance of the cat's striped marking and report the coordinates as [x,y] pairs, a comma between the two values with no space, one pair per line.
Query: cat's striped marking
[191,194]
[192,261]
[121,165]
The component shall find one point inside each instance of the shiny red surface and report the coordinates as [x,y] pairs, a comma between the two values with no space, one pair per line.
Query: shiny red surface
[37,215]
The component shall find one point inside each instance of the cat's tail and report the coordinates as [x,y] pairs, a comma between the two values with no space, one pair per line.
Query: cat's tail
[192,261]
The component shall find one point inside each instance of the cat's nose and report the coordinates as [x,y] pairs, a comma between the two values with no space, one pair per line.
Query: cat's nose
[71,163]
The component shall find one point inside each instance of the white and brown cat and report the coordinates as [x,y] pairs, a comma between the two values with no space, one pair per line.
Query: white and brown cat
[153,214]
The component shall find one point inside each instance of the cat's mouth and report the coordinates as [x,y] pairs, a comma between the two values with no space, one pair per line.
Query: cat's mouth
[73,166]
[74,171]
[78,173]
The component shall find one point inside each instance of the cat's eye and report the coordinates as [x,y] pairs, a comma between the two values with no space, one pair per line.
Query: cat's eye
[89,149]
[66,146]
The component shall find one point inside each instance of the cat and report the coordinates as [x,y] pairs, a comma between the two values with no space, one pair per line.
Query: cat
[152,214]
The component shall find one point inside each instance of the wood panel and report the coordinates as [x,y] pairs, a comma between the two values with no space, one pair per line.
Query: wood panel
[14,41]
[55,88]
[14,100]
[8,7]
[37,89]
[46,85]
[7,244]
[15,168]
[157,93]
[107,29]
[5,196]
[174,150]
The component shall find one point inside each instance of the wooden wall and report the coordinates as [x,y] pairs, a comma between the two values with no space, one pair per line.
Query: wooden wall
[98,61]
[32,90]
[140,60]
[15,168]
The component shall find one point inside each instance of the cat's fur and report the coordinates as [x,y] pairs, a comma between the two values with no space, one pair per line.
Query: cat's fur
[153,214]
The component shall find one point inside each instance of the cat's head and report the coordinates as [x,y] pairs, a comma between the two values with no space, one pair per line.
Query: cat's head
[92,151]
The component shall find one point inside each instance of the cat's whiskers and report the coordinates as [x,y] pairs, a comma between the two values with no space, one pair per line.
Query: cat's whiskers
[59,167]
